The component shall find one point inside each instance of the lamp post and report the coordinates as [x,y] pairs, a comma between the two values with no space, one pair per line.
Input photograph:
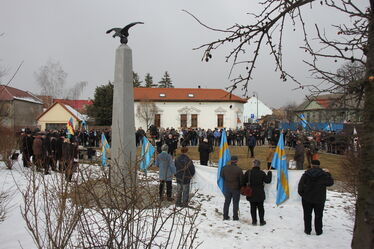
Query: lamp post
[255,94]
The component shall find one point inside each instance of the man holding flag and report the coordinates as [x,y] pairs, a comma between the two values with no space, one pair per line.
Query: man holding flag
[280,164]
[229,178]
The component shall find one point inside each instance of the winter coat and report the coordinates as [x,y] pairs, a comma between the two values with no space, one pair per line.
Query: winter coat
[299,152]
[257,180]
[251,141]
[59,143]
[185,169]
[313,183]
[27,143]
[166,166]
[37,146]
[232,176]
[204,149]
[172,145]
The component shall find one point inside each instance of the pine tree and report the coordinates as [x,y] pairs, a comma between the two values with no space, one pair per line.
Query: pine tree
[101,109]
[149,81]
[165,81]
[136,82]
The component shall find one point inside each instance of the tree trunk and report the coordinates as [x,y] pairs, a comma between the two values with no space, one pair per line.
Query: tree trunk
[363,235]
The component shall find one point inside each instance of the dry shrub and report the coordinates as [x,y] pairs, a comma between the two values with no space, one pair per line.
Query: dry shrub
[92,212]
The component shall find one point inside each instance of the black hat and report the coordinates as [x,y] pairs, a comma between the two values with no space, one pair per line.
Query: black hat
[234,158]
[316,163]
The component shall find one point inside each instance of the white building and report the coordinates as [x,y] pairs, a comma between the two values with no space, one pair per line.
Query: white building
[255,109]
[187,107]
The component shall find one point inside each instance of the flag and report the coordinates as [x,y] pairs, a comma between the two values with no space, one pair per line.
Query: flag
[224,158]
[104,147]
[70,126]
[147,153]
[279,162]
[303,121]
[84,124]
[328,127]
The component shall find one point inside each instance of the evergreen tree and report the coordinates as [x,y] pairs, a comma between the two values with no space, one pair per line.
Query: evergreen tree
[136,82]
[101,109]
[149,81]
[165,81]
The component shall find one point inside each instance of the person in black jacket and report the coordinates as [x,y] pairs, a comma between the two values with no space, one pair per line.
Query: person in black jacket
[185,170]
[257,178]
[204,150]
[232,181]
[312,189]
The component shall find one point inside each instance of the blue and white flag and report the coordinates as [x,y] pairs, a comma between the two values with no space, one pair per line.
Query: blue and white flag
[303,121]
[104,147]
[280,163]
[224,159]
[147,154]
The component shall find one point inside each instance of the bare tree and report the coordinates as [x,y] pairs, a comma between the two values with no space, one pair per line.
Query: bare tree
[354,43]
[76,91]
[146,111]
[52,79]
[289,110]
[93,213]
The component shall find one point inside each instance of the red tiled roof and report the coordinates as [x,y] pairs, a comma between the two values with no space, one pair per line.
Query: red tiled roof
[11,93]
[324,102]
[77,104]
[185,95]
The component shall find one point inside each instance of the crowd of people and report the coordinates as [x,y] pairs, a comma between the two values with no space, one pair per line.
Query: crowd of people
[312,189]
[58,151]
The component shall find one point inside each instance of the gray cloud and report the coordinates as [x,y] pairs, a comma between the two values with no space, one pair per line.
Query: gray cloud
[73,33]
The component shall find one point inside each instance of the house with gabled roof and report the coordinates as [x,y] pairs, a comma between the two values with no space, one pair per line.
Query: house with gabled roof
[330,108]
[188,107]
[57,116]
[18,108]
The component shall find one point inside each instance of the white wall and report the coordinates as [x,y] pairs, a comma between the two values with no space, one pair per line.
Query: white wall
[206,111]
[251,108]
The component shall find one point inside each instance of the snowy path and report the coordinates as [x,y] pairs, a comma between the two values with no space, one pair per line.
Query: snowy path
[284,228]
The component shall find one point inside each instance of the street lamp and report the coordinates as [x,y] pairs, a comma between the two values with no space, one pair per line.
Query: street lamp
[255,94]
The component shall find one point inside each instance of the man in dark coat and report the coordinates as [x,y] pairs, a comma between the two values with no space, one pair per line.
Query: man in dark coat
[204,150]
[299,154]
[251,144]
[172,144]
[312,189]
[257,178]
[232,181]
[37,148]
[27,142]
[185,170]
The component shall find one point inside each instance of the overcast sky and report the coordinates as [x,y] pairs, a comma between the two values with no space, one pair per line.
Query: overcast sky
[72,32]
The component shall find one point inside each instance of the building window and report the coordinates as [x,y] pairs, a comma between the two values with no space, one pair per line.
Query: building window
[194,120]
[219,120]
[183,120]
[55,126]
[158,120]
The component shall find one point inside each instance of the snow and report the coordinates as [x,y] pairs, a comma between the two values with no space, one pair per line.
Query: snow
[80,116]
[28,99]
[284,228]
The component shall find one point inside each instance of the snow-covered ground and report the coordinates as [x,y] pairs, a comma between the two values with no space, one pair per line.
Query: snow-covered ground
[284,228]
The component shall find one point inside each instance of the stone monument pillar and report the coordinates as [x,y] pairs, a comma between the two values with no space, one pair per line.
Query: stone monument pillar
[123,150]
